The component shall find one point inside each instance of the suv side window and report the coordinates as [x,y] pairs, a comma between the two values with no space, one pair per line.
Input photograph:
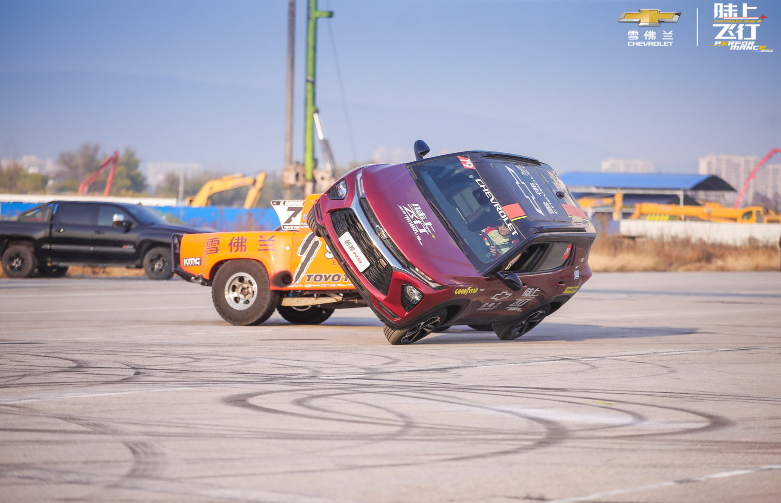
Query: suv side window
[557,256]
[106,214]
[76,214]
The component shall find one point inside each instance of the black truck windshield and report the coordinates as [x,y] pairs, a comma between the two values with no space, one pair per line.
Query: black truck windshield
[467,207]
[145,215]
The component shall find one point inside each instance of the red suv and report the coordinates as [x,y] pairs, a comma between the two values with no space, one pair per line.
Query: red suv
[485,239]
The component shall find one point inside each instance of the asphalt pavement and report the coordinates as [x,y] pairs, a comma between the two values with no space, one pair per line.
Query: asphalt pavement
[646,387]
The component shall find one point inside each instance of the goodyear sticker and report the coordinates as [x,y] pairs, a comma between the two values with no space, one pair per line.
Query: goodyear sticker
[571,289]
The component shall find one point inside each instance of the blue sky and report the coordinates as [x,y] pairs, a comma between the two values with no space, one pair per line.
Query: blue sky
[204,81]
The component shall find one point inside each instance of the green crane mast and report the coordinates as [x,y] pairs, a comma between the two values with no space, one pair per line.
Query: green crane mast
[309,127]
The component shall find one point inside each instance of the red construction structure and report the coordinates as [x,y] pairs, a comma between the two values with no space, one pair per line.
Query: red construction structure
[754,172]
[112,161]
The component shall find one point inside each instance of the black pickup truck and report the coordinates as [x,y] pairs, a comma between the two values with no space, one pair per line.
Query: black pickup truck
[58,234]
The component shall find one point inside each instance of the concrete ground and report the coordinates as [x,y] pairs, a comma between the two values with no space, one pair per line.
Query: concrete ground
[646,387]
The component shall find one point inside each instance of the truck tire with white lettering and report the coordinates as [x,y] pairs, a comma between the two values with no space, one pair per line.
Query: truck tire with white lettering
[241,293]
[305,315]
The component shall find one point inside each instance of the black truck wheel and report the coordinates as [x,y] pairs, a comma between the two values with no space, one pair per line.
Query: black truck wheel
[158,264]
[305,315]
[241,293]
[52,271]
[417,331]
[516,328]
[18,262]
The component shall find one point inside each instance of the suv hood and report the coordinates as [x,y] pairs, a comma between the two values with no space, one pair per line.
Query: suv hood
[413,225]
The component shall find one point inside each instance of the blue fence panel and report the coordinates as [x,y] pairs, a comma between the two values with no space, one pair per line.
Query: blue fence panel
[216,217]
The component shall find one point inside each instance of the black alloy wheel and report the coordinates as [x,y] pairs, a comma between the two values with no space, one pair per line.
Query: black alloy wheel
[516,328]
[158,264]
[18,262]
[416,332]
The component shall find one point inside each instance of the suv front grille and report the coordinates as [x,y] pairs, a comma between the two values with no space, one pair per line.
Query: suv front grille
[386,240]
[377,274]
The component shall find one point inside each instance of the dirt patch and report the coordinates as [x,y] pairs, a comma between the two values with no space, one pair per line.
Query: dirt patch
[617,254]
[98,272]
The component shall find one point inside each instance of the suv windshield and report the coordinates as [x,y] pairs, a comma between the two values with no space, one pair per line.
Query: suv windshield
[467,207]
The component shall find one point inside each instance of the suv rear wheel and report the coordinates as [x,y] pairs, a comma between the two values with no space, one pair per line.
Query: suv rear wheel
[417,331]
[516,328]
[241,293]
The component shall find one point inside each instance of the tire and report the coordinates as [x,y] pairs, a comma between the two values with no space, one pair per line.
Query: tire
[482,328]
[158,264]
[305,315]
[52,271]
[241,293]
[18,262]
[516,328]
[417,331]
[311,221]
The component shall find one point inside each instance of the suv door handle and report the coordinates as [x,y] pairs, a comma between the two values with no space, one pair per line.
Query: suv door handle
[100,232]
[560,284]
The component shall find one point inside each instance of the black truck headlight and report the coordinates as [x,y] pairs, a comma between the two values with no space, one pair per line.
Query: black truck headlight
[410,297]
[338,191]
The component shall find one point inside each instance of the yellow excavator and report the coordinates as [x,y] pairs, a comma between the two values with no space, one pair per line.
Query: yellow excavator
[230,182]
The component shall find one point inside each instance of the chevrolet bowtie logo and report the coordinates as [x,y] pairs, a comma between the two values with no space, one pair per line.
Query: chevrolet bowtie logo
[649,17]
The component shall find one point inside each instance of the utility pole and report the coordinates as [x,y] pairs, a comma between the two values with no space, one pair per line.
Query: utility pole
[310,108]
[291,49]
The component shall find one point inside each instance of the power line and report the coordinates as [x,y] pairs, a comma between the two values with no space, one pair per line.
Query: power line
[341,90]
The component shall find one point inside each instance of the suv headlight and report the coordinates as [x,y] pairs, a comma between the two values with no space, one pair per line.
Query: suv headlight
[338,191]
[410,297]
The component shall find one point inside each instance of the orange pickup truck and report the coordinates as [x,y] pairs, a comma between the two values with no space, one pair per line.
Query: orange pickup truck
[253,273]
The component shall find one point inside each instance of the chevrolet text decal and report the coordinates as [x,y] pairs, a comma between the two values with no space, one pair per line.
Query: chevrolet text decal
[498,206]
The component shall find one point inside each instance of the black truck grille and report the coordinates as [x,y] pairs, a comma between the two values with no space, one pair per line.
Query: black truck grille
[377,274]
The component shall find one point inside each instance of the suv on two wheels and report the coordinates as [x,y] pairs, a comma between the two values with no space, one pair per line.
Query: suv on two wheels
[475,238]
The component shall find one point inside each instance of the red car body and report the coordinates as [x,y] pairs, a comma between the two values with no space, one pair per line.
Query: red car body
[416,224]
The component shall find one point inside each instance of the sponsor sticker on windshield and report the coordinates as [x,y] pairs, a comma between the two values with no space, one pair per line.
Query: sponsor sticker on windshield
[466,162]
[355,253]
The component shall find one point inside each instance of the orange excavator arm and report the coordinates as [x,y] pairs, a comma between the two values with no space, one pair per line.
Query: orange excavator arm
[108,161]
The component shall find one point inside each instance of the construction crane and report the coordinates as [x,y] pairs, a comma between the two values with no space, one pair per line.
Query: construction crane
[754,172]
[112,161]
[230,182]
[710,212]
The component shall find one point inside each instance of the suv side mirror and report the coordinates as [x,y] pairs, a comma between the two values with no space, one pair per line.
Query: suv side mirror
[118,220]
[421,149]
[510,279]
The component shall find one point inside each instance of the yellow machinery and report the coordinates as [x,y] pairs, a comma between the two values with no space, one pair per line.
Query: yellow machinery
[230,182]
[711,212]
[617,202]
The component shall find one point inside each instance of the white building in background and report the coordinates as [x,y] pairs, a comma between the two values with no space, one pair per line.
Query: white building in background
[734,169]
[156,171]
[627,166]
[32,164]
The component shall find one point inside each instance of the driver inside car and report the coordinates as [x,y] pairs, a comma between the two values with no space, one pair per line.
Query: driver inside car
[499,239]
